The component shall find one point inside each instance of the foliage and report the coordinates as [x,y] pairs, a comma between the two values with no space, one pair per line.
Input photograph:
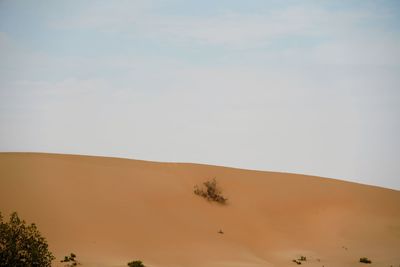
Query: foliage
[22,245]
[297,261]
[210,191]
[71,260]
[365,260]
[135,264]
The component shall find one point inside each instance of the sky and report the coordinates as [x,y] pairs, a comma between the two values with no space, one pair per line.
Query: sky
[310,87]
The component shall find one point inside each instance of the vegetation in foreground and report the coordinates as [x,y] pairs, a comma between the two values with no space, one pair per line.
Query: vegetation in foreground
[70,260]
[136,264]
[22,245]
[299,260]
[365,260]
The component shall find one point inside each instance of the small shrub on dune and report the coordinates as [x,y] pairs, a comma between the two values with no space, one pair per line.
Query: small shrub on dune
[210,191]
[135,264]
[297,261]
[70,260]
[365,260]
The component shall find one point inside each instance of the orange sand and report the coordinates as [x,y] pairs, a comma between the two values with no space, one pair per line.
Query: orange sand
[110,211]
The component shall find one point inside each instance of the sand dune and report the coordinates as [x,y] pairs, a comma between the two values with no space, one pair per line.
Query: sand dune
[110,211]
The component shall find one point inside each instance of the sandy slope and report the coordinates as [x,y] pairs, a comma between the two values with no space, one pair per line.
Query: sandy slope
[110,211]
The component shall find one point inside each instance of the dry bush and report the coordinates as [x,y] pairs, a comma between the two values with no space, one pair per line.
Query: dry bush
[136,264]
[210,191]
[70,260]
[365,260]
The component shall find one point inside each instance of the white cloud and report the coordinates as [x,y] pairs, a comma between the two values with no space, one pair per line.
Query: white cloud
[228,29]
[376,49]
[341,37]
[105,16]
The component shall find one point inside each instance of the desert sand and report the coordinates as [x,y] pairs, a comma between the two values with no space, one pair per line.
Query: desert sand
[110,211]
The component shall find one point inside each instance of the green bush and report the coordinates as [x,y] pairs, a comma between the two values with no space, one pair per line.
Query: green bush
[22,245]
[365,260]
[135,264]
[210,191]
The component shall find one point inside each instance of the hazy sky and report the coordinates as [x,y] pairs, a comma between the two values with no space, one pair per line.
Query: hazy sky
[296,86]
